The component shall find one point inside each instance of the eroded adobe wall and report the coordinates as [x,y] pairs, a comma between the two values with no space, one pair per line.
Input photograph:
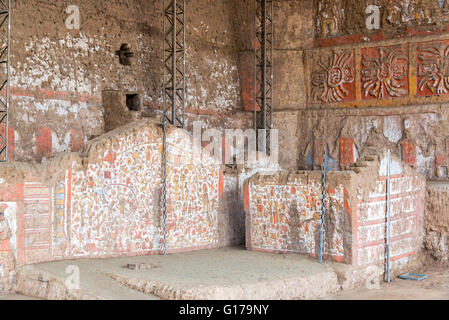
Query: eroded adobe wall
[107,200]
[283,213]
[437,221]
[327,90]
[369,212]
[59,75]
[293,34]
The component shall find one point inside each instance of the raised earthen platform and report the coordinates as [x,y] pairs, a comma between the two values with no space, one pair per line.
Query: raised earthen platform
[229,273]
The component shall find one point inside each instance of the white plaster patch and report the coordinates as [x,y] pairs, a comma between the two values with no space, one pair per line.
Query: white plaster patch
[393,129]
[395,167]
[40,69]
[11,219]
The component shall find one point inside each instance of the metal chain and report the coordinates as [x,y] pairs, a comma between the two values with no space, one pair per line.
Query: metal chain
[323,211]
[164,191]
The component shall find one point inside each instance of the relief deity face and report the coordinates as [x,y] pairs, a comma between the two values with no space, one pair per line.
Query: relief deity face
[385,74]
[330,77]
[433,69]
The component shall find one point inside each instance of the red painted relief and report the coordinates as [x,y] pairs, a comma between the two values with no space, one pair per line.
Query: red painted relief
[332,77]
[433,69]
[384,72]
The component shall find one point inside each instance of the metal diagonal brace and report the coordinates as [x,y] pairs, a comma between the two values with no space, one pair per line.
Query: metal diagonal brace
[5,45]
[263,73]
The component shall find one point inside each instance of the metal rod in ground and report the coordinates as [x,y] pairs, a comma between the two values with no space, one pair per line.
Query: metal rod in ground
[164,143]
[165,183]
[388,212]
[323,211]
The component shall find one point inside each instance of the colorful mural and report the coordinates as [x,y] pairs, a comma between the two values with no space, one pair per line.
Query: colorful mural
[108,203]
[411,71]
[284,213]
[286,217]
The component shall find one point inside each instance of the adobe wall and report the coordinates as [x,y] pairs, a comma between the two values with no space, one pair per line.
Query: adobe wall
[437,222]
[349,116]
[107,200]
[283,213]
[59,76]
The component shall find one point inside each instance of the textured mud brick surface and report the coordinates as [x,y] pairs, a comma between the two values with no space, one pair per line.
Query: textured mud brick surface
[232,217]
[58,75]
[437,221]
[284,213]
[381,87]
[107,201]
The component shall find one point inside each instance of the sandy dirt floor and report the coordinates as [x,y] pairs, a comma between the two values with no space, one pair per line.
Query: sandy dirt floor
[16,297]
[228,273]
[435,287]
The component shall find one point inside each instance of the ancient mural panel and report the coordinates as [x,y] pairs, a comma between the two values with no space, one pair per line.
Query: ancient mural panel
[112,200]
[407,194]
[406,73]
[345,21]
[192,218]
[433,68]
[286,217]
[332,76]
[35,224]
[384,72]
[8,241]
[284,212]
[110,203]
[61,207]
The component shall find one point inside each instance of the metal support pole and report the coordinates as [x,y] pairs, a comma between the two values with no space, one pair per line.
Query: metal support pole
[174,62]
[263,73]
[388,212]
[5,46]
[174,84]
[323,204]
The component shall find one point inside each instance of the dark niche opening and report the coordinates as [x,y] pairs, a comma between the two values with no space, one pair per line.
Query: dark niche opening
[133,102]
[125,55]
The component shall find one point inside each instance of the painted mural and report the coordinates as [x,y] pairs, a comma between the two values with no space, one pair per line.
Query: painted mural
[108,203]
[412,71]
[286,217]
[347,21]
[284,214]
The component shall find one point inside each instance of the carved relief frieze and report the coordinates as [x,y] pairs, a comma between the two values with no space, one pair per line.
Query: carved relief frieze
[384,72]
[332,77]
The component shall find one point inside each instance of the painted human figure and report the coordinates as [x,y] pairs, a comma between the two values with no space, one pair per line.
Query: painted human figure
[397,14]
[330,15]
[425,11]
[446,6]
